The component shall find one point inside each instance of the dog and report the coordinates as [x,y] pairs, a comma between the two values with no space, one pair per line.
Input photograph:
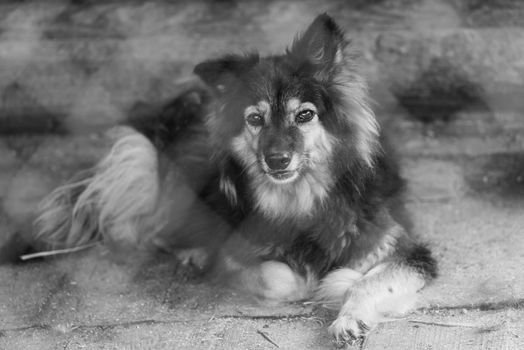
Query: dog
[274,170]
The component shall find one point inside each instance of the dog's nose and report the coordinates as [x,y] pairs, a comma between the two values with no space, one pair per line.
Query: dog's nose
[278,161]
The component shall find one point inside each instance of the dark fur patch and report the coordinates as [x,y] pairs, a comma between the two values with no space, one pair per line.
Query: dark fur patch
[420,258]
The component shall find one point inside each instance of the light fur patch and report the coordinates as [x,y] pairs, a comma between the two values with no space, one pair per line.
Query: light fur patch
[296,200]
[53,224]
[245,148]
[388,290]
[356,108]
[123,187]
[292,106]
[276,282]
[333,288]
[228,189]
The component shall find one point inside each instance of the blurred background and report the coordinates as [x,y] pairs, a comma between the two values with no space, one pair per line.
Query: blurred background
[447,78]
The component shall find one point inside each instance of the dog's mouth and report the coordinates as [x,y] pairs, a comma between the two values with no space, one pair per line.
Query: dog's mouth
[282,176]
[281,170]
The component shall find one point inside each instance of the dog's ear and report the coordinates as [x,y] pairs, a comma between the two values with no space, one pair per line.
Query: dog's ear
[321,46]
[221,73]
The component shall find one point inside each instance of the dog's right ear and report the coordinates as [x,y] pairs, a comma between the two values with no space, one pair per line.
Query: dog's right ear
[220,74]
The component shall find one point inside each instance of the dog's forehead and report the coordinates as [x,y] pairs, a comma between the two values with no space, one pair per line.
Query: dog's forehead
[280,108]
[293,104]
[276,90]
[274,82]
[278,97]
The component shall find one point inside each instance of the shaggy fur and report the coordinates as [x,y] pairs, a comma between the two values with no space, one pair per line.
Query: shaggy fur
[107,201]
[276,169]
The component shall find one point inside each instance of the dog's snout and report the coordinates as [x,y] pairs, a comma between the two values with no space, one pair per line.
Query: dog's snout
[278,161]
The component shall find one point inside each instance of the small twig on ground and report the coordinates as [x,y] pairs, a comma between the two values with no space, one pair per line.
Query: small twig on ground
[492,328]
[363,343]
[269,317]
[446,324]
[56,252]
[484,306]
[266,337]
[104,326]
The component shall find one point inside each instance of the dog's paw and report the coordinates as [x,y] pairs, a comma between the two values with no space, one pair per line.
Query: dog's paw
[280,283]
[193,258]
[348,330]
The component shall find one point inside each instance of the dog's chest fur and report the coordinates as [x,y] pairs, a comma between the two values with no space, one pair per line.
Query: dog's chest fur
[299,228]
[297,202]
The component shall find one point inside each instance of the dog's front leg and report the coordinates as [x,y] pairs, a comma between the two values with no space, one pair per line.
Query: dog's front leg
[251,268]
[388,289]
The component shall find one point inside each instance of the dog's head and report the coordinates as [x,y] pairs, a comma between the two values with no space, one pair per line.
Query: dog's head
[294,120]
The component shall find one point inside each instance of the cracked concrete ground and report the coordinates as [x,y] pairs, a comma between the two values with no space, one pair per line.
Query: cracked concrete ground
[466,174]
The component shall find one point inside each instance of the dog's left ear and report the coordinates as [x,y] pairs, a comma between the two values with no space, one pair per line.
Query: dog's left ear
[321,45]
[221,73]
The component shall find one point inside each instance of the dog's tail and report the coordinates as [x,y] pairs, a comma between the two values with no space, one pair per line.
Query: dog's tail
[143,190]
[109,201]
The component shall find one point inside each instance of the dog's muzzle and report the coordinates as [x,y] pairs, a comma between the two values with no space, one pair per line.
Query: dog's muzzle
[278,167]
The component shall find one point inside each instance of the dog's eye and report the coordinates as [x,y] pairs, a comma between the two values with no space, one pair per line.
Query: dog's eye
[255,119]
[304,116]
